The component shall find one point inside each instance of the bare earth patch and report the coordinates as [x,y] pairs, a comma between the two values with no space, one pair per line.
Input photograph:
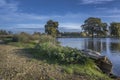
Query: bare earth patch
[16,64]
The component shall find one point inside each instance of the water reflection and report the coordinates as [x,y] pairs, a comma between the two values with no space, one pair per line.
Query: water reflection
[95,44]
[115,47]
[109,47]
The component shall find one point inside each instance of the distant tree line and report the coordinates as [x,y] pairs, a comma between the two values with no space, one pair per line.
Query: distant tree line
[70,34]
[4,32]
[95,27]
[92,27]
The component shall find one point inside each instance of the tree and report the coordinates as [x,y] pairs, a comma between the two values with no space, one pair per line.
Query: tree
[94,26]
[115,29]
[51,28]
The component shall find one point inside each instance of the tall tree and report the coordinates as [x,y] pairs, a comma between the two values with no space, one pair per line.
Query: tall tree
[94,26]
[115,29]
[51,28]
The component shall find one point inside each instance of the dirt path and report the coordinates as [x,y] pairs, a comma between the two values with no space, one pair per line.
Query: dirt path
[15,64]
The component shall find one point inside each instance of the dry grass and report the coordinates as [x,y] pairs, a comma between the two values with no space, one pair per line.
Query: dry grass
[16,64]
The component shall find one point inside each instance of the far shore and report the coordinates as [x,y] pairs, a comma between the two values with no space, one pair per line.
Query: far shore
[88,37]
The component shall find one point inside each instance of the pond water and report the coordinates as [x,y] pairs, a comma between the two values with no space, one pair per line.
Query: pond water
[109,47]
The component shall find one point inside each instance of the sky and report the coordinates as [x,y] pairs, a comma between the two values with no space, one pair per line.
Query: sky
[32,15]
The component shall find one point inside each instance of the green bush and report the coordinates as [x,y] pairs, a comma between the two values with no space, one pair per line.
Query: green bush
[22,37]
[36,36]
[68,70]
[15,38]
[60,54]
[46,38]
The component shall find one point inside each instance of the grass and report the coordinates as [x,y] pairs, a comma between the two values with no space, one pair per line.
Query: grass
[68,70]
[65,57]
[18,65]
[22,45]
[69,62]
[58,54]
[86,70]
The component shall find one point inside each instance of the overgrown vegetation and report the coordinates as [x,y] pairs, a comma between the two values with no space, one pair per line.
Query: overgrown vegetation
[46,48]
[72,61]
[59,54]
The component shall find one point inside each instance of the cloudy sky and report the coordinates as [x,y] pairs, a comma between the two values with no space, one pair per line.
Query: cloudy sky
[29,14]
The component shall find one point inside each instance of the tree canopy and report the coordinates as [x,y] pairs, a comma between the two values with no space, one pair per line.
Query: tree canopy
[94,26]
[51,28]
[115,29]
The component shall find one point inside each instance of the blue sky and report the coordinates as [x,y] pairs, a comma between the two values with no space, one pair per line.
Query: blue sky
[24,14]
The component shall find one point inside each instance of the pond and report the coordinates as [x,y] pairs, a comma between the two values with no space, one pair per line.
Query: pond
[109,47]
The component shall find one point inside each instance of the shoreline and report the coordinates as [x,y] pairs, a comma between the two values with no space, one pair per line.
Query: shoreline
[85,37]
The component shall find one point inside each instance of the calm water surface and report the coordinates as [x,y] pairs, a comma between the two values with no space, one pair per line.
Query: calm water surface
[109,47]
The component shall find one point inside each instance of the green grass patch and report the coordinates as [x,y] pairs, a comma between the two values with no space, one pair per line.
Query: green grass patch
[68,70]
[71,59]
[88,70]
[22,45]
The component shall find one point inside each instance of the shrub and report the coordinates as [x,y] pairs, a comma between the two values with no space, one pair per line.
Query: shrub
[15,38]
[83,34]
[60,54]
[22,37]
[46,38]
[68,70]
[36,36]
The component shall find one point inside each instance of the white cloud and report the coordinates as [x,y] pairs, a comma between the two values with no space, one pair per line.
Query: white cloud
[70,25]
[114,10]
[9,13]
[113,13]
[95,1]
[23,26]
[61,25]
[30,28]
[6,7]
[112,16]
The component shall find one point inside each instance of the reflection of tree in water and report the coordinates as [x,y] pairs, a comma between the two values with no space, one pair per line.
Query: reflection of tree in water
[115,46]
[95,44]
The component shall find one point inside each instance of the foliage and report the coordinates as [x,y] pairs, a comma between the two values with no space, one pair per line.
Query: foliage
[6,36]
[4,32]
[46,38]
[60,54]
[115,29]
[68,70]
[36,35]
[51,28]
[36,38]
[83,34]
[94,26]
[70,34]
[89,69]
[71,60]
[22,37]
